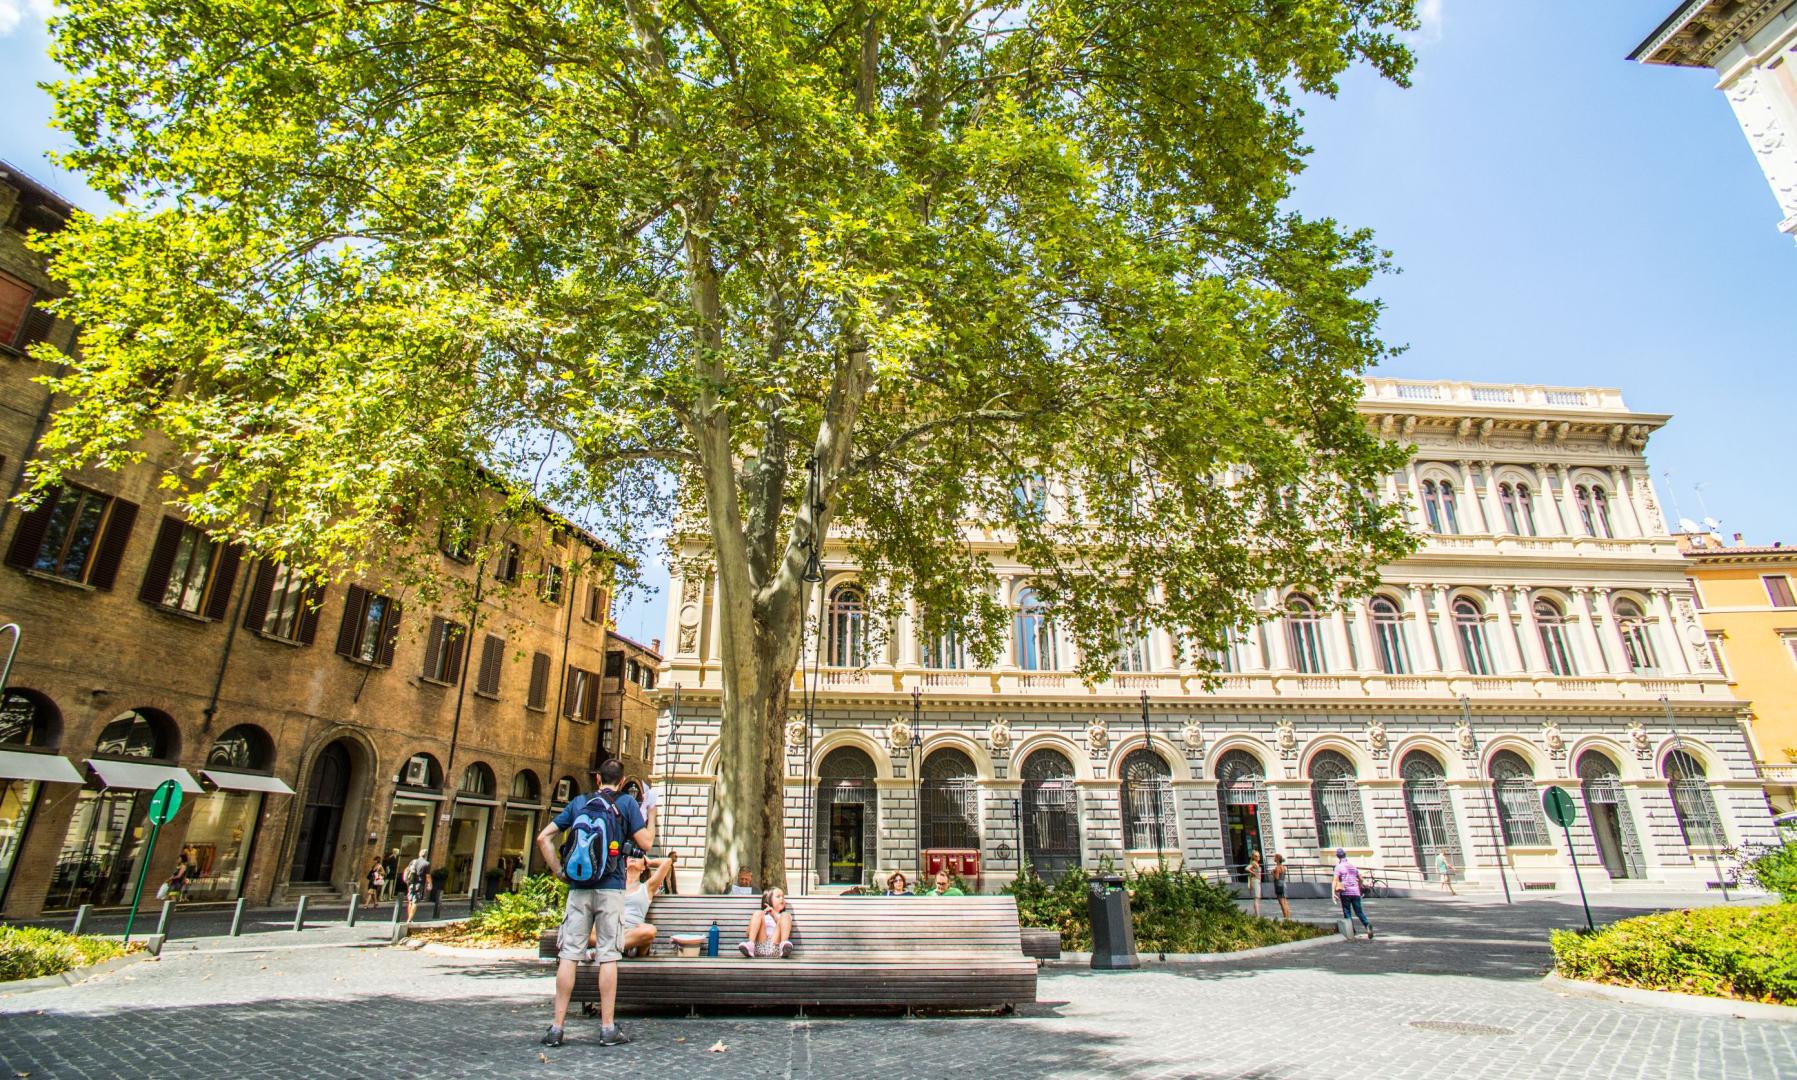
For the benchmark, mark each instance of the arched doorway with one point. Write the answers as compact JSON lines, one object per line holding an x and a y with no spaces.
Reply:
{"x":322,"y":817}
{"x":1430,"y":810}
{"x":1050,"y":814}
{"x":1246,"y":809}
{"x":1612,"y":826}
{"x":98,"y":861}
{"x":1149,"y":820}
{"x":848,"y":815}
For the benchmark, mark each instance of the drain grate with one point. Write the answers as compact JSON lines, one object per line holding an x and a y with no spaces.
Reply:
{"x":1456,"y":1027}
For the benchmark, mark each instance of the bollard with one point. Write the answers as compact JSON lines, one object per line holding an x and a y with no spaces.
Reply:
{"x":81,"y":914}
{"x":396,"y":909}
{"x":237,"y":917}
{"x":354,"y":900}
{"x":436,"y":907}
{"x":299,"y":914}
{"x":168,"y":907}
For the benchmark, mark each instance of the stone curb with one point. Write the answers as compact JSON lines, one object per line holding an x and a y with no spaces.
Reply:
{"x":72,"y":977}
{"x":468,"y":951}
{"x":1148,"y":958}
{"x":1668,"y":999}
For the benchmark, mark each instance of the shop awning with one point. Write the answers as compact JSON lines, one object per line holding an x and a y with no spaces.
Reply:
{"x":141,"y":775}
{"x":226,"y":780}
{"x":24,"y":765}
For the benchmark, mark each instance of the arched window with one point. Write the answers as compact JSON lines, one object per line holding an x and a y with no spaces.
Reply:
{"x":1149,"y":821}
{"x":1430,"y":810}
{"x":1600,"y":513}
{"x":28,"y":718}
{"x":1637,"y":644}
{"x":1439,"y":506}
{"x":1246,"y":809}
{"x":1050,"y":814}
{"x":848,"y":628}
{"x":1388,"y":633}
{"x":1469,"y":629}
{"x":1335,"y":798}
{"x":1519,"y":509}
{"x":244,"y":746}
{"x":526,"y":788}
{"x":1304,"y":633}
{"x":420,"y":770}
{"x":141,"y":733}
{"x":1036,"y":649}
{"x":477,"y":780}
{"x":848,"y":814}
{"x":1029,"y":495}
{"x":1519,"y":805}
{"x":1550,"y":623}
{"x":951,"y":804}
{"x":1692,"y":801}
{"x":565,"y":790}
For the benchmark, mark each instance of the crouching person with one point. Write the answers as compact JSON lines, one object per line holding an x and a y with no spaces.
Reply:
{"x":591,"y":860}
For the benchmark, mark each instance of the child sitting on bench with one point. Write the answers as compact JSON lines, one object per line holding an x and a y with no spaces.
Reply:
{"x":770,"y":930}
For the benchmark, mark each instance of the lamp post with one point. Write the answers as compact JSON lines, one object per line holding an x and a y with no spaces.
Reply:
{"x":917,"y":776}
{"x":1497,"y":829}
{"x":1160,"y":839}
{"x":813,"y":575}
{"x":1710,"y":825}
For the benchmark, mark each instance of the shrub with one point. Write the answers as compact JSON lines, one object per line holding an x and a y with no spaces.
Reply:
{"x":27,"y":952}
{"x":519,"y":916}
{"x":1061,"y":906}
{"x":1171,"y":912}
{"x":1748,"y":953}
{"x":1773,"y":869}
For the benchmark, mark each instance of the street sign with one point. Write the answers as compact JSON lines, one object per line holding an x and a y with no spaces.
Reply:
{"x":1559,"y":807}
{"x":167,"y":799}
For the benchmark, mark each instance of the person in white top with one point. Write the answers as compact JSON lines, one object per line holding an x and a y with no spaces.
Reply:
{"x":643,"y":879}
{"x":745,"y":884}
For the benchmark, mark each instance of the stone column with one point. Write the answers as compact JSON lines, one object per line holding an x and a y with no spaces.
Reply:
{"x":908,"y":625}
{"x":1341,"y":657}
{"x":1494,"y":515}
{"x":1470,"y":505}
{"x":1280,"y":657}
{"x":1415,"y":513}
{"x":1451,"y":660}
{"x":1568,"y":512}
{"x":1507,"y":645}
{"x":1363,"y":639}
{"x":1534,"y":652}
{"x":1603,"y":627}
{"x":1007,"y":584}
{"x":1584,"y":633}
{"x":1556,"y":524}
{"x":1672,"y":643}
{"x":1622,"y":503}
{"x":1423,"y":638}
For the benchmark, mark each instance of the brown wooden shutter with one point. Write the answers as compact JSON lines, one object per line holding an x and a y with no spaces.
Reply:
{"x":355,"y":601}
{"x":38,"y":326}
{"x":570,"y":692}
{"x":218,"y":601}
{"x":539,"y":681}
{"x":262,"y":587}
{"x":162,"y":561}
{"x":29,"y":536}
{"x":390,"y":636}
{"x":591,"y":712}
{"x":113,"y":539}
{"x":309,"y":608}
{"x":454,"y":640}
{"x":433,"y":646}
{"x":492,"y":657}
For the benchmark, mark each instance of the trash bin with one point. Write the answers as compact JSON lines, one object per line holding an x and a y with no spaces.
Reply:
{"x":1113,"y":932}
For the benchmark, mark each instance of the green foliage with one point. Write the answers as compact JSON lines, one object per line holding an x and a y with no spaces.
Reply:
{"x":1748,"y":953}
{"x":1773,"y":869}
{"x":1171,"y":911}
{"x":1061,"y":906}
{"x":28,"y":951}
{"x":521,"y":915}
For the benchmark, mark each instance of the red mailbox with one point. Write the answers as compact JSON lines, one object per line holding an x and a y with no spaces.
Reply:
{"x":962,"y":861}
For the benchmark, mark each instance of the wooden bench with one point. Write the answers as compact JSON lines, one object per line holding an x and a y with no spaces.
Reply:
{"x":1041,"y":944}
{"x":911,"y":952}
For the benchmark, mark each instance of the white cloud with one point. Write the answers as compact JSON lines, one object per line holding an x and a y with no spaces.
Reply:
{"x":13,"y":12}
{"x":1428,"y":17}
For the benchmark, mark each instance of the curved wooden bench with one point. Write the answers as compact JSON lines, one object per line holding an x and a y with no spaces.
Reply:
{"x":1041,"y":944}
{"x":914,"y":952}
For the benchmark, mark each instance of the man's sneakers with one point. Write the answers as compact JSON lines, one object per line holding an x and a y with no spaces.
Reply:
{"x":552,"y":1037}
{"x":612,"y":1036}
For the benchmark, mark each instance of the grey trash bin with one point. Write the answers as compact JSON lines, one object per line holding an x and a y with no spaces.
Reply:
{"x":1113,"y":932}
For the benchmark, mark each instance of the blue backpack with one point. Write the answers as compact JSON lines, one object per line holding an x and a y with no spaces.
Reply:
{"x":595,"y":843}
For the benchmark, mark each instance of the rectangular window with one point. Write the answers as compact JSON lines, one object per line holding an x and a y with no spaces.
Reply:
{"x":581,"y":701}
{"x":1791,"y":646}
{"x":492,"y":661}
{"x":648,"y":746}
{"x":195,"y":556}
{"x":596,"y":604}
{"x":370,"y":627}
{"x":624,"y":743}
{"x":74,"y":534}
{"x":648,"y":677}
{"x":455,"y":542}
{"x":509,"y":559}
{"x":633,"y":671}
{"x":189,"y":571}
{"x":443,"y":651}
{"x":22,"y":323}
{"x":1778,"y":590}
{"x":614,"y":664}
{"x":286,"y":601}
{"x":551,"y":587}
{"x":538,"y":697}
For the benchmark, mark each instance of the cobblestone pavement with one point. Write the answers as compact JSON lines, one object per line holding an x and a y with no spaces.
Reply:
{"x":336,"y":1004}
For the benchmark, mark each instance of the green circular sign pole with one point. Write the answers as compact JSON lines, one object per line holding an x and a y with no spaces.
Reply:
{"x":1562,"y":811}
{"x":164,"y":801}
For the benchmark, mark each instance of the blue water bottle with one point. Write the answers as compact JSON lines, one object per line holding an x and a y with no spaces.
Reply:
{"x":711,"y":941}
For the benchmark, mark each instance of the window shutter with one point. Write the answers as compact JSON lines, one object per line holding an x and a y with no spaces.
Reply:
{"x":30,"y":535}
{"x":492,"y":656}
{"x":455,"y":639}
{"x":571,"y":693}
{"x":539,"y":681}
{"x":38,"y":326}
{"x":224,"y":578}
{"x":255,"y":609}
{"x":433,"y":646}
{"x":112,"y":544}
{"x":354,"y":602}
{"x":591,"y":711}
{"x":309,"y":607}
{"x":391,"y":631}
{"x":162,"y":561}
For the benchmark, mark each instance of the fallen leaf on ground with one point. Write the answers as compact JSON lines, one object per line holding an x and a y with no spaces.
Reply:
{"x":718,"y":1047}
{"x":542,"y":1057}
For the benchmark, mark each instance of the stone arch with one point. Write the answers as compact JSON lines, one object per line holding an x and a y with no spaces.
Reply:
{"x":1121,"y":745}
{"x":30,"y":718}
{"x":1054,"y":740}
{"x":362,"y":786}
{"x":1714,"y":768}
{"x":823,"y":745}
{"x":1343,"y":745}
{"x":1521,"y":746}
{"x":1611,"y":748}
{"x":982,"y":761}
{"x":1436,"y":747}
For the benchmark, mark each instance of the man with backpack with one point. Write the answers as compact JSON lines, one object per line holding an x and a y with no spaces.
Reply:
{"x":599,"y":830}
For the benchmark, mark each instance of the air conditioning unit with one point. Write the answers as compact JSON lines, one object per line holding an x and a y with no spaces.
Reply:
{"x":418,"y":772}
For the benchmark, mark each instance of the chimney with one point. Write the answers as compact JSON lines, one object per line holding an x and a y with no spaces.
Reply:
{"x":1737,"y":538}
{"x":655,"y":645}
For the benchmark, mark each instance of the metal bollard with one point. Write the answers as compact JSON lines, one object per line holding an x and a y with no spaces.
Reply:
{"x":168,"y":907}
{"x":237,"y":917}
{"x":299,"y":914}
{"x":436,"y":906}
{"x":81,"y":914}
{"x":354,"y":901}
{"x":396,"y":909}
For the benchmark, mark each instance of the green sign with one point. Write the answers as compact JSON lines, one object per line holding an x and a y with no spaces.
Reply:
{"x":1559,"y":807}
{"x":164,"y":802}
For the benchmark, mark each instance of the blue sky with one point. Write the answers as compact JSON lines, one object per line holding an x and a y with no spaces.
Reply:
{"x":1560,"y":214}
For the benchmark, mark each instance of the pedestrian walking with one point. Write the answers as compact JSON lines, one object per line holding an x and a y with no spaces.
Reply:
{"x":417,"y":877}
{"x":1345,"y":887}
{"x":371,"y":895}
{"x":1254,"y":874}
{"x":598,"y":828}
{"x":1445,"y":870}
{"x":1279,"y":872}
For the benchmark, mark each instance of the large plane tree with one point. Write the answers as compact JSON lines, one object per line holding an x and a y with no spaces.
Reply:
{"x":659,"y":262}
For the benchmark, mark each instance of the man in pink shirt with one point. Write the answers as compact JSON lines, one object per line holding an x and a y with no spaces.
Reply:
{"x":1346,"y":888}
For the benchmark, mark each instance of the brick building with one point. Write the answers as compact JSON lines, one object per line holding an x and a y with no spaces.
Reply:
{"x":626,"y":707}
{"x":312,"y":728}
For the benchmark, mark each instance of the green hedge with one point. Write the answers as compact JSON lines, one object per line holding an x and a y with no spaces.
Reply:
{"x":1736,"y":952}
{"x":1171,"y":912}
{"x":27,"y":952}
{"x":1774,"y":870}
{"x":517,"y":917}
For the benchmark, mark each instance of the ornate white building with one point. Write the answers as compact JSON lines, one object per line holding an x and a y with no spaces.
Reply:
{"x":1543,"y":634}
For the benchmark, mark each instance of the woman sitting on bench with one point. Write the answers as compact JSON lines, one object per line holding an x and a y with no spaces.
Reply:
{"x":638,"y":932}
{"x":770,"y":930}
